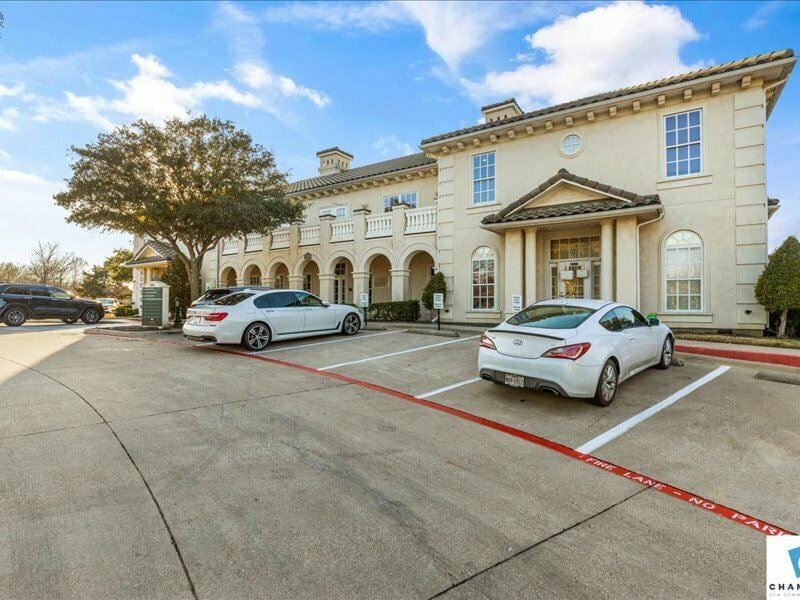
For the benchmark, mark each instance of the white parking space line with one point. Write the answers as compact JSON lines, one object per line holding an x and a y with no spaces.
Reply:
{"x":347,"y":339}
{"x":615,"y":432}
{"x":380,"y":356}
{"x":447,"y":388}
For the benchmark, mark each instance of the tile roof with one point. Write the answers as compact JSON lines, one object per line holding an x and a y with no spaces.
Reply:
{"x":643,"y":87}
{"x":164,"y":253}
{"x":623,"y":200}
{"x":364,"y":172}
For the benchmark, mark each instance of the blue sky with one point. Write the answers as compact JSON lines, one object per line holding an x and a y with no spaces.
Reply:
{"x":374,"y":78}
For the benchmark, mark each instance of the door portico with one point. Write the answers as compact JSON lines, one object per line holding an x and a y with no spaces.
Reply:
{"x":572,"y":238}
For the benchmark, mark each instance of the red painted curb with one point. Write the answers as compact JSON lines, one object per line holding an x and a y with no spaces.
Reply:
{"x":665,"y":488}
{"x":772,"y":358}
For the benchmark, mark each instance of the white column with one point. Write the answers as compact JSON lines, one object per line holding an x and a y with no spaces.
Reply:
{"x":626,"y":260}
{"x":513,"y":272}
{"x":326,"y":286}
{"x":607,"y":260}
{"x":360,"y":285}
{"x":530,"y":265}
{"x":400,"y":287}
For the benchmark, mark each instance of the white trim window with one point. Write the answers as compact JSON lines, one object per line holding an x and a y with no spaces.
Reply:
{"x":340,"y":212}
{"x":683,"y":143}
{"x":484,"y":270}
{"x":483,"y":183}
{"x":683,"y":270}
{"x":407,"y":198}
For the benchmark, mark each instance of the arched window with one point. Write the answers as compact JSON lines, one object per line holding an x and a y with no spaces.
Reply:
{"x":484,"y":267}
{"x":683,"y":262}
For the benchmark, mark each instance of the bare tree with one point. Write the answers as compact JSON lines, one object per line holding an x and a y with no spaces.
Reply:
{"x":49,"y":266}
{"x":13,"y":273}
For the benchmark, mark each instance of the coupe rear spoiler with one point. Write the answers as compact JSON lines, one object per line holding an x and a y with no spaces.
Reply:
{"x":541,"y":335}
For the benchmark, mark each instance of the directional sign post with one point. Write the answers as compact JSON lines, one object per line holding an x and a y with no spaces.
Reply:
{"x":438,"y":305}
{"x":155,"y":304}
{"x":364,"y":302}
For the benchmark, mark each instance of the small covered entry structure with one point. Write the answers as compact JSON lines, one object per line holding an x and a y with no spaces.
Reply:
{"x":573,"y":237}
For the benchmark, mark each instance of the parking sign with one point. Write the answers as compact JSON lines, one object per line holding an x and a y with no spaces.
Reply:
{"x":364,"y":300}
{"x":438,"y":301}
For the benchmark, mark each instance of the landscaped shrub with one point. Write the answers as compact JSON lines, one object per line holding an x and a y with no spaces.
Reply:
{"x":125,"y":311}
{"x":436,"y":285}
{"x":778,"y":287}
{"x":405,"y":310}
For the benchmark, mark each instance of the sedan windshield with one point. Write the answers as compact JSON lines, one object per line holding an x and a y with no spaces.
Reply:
{"x":231,"y":299}
{"x":551,"y":316}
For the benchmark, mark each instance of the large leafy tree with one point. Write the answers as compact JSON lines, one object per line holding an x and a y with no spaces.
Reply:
{"x":110,"y":278}
{"x":187,"y":184}
{"x":778,"y":287}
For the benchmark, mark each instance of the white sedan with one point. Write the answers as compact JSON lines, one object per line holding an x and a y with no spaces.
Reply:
{"x":254,"y":318}
{"x":579,"y":348}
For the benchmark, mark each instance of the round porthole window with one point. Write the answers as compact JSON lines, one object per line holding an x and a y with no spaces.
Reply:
{"x":571,"y":145}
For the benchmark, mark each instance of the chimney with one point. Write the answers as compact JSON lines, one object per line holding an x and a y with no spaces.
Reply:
{"x":333,"y":160}
{"x":501,"y":110}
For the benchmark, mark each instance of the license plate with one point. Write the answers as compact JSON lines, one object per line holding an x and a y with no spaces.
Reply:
{"x":195,"y":320}
{"x":515,"y":380}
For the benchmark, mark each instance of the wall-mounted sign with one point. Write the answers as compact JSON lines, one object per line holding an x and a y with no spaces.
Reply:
{"x":582,"y":273}
{"x":567,"y":274}
{"x":516,"y":302}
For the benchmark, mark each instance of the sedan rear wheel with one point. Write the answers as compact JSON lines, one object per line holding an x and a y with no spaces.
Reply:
{"x":256,"y":337}
{"x":666,"y":354}
{"x":607,"y":385}
{"x":351,"y":324}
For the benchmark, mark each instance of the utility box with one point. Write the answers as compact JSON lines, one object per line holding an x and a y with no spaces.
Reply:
{"x":155,"y":304}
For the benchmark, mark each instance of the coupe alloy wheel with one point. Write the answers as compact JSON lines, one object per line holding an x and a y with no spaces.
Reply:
{"x":608,"y":383}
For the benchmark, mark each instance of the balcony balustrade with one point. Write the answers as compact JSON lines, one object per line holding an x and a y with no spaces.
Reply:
{"x":280,"y":239}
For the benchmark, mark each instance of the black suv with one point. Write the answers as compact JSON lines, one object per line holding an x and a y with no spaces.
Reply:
{"x":22,"y":301}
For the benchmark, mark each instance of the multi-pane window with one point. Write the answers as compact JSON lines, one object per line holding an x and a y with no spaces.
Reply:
{"x":683,"y":258}
{"x":683,"y":139}
{"x":340,"y":212}
{"x":484,"y":267}
{"x":483,"y":178}
{"x":307,"y":282}
{"x":408,"y":198}
{"x":255,"y":280}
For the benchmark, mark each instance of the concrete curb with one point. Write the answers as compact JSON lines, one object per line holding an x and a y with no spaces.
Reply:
{"x":434,"y":332}
{"x":778,"y":377}
{"x":770,"y":358}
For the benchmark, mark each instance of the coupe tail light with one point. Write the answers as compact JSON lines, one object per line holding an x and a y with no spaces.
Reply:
{"x":571,"y":352}
{"x":215,"y":316}
{"x":486,"y":342}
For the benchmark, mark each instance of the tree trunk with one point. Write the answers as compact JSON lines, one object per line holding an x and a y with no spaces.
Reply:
{"x":193,"y":271}
{"x":784,"y":320}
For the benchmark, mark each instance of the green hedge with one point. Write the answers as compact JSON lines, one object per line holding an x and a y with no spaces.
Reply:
{"x":125,"y":311}
{"x":406,"y":310}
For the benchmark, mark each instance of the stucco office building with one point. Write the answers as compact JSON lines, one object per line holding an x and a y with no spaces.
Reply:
{"x":654,"y":195}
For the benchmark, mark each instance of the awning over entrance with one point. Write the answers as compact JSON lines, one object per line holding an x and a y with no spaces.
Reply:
{"x":566,"y":196}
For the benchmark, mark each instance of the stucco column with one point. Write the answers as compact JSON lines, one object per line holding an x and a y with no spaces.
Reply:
{"x":607,"y":260}
{"x":360,"y":285}
{"x":360,"y":227}
{"x":268,"y":281}
{"x":325,"y":232}
{"x":513,"y":271}
{"x":400,"y":288}
{"x":626,"y":260}
{"x":296,"y":282}
{"x":294,"y":238}
{"x":530,"y":265}
{"x":326,"y":286}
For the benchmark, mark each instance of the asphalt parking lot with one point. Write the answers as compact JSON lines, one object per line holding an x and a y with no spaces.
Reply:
{"x":142,"y":466}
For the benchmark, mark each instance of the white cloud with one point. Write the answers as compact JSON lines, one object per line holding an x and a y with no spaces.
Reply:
{"x":11,"y":91}
{"x":762,"y":15}
{"x":370,"y":16}
{"x":606,"y":48}
{"x":147,"y":95}
{"x":453,"y":29}
{"x":8,"y":119}
{"x":42,"y":220}
{"x":247,"y":42}
{"x":389,"y":145}
{"x":4,"y":155}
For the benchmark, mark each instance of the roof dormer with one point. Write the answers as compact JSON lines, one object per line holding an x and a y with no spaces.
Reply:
{"x":501,"y":110}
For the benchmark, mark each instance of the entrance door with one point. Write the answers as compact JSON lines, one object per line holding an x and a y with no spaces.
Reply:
{"x":574,"y":279}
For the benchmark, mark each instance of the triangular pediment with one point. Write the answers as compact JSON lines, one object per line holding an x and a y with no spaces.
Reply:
{"x":563,"y":192}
